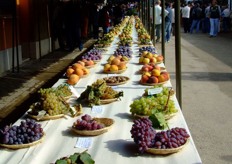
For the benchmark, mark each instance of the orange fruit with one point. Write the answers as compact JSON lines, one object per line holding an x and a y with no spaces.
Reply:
{"x":85,"y":71}
{"x":77,"y":65}
{"x":79,"y":72}
{"x":115,"y":61}
{"x":122,"y":66}
{"x":73,"y":79}
{"x":107,"y":67}
{"x":69,"y":71}
{"x":113,"y":68}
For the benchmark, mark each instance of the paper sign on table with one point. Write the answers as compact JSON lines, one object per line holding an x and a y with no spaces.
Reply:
{"x":97,"y":109}
{"x":83,"y":142}
{"x":73,"y":90}
{"x":154,"y":91}
{"x":114,"y":87}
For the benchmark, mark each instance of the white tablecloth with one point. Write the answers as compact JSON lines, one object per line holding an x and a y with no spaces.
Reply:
{"x":116,"y":146}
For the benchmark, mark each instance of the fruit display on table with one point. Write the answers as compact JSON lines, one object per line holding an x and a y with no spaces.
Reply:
{"x":75,"y":72}
{"x":99,"y":93}
{"x":150,"y":67}
{"x":116,"y":80}
{"x":89,"y":126}
{"x":87,"y":63}
{"x":51,"y":106}
{"x":146,"y":106}
{"x":147,"y":57}
{"x":143,"y":36}
{"x":124,"y":51}
{"x":148,"y":49}
{"x":151,"y":141}
{"x":115,"y":65}
{"x":154,"y":77}
{"x":76,"y":158}
{"x":93,"y":54}
{"x":27,"y":134}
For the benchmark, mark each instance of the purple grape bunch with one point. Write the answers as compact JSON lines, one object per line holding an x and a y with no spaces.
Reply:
{"x":146,"y":137}
{"x":28,"y":131}
{"x":123,"y":51}
{"x":172,"y":138}
{"x":143,"y":133}
{"x":93,"y":54}
{"x":87,"y":123}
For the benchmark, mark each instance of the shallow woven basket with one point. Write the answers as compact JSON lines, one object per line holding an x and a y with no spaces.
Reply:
{"x":166,"y":151}
{"x":38,"y":118}
{"x":116,"y":72}
{"x":119,"y":83}
{"x":107,"y":101}
{"x":106,"y":121}
{"x":152,"y":84}
{"x":22,"y":146}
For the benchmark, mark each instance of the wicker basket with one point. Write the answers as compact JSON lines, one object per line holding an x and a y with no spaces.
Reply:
{"x":106,"y":121}
{"x":152,"y":84}
{"x":119,"y":83}
{"x":107,"y":101}
{"x":43,"y":118}
{"x":115,"y":72}
{"x":22,"y":146}
{"x":166,"y":151}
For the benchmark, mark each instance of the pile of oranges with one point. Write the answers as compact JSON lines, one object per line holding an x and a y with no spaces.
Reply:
{"x":75,"y":72}
{"x":115,"y":65}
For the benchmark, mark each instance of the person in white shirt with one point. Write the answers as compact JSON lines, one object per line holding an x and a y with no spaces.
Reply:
{"x":226,"y":19}
{"x":158,"y":19}
{"x":185,"y":18}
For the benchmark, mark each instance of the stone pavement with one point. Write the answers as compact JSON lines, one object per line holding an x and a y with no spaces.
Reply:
{"x":16,"y":88}
{"x":206,"y":92}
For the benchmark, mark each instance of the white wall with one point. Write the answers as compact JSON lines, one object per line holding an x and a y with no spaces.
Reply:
{"x":6,"y":59}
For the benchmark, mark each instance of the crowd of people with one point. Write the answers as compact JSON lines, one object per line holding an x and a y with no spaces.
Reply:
{"x":209,"y":18}
{"x":76,"y":20}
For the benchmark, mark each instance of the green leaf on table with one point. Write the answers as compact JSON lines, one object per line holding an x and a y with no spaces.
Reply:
{"x":158,"y":121}
{"x":74,"y":157}
{"x":61,"y":161}
{"x":86,"y":158}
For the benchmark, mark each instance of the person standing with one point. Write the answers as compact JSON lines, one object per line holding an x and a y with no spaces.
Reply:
{"x":168,"y":22}
{"x":158,"y":19}
{"x":226,"y":19}
{"x":185,"y":17}
{"x":214,"y":17}
{"x":196,"y":18}
{"x":173,"y":19}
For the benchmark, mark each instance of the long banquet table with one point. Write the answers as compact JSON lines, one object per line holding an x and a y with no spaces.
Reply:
{"x":116,"y":146}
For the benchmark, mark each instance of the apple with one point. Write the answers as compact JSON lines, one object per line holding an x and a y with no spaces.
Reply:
{"x":166,"y":75}
{"x":146,"y":60}
{"x":157,"y":67}
{"x":144,"y":53}
{"x":161,"y":78}
{"x":155,"y":72}
{"x":159,"y":58}
{"x":147,"y":73}
{"x":153,"y":60}
{"x":141,"y":59}
{"x":144,"y":78}
{"x":153,"y":79}
{"x":149,"y":55}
